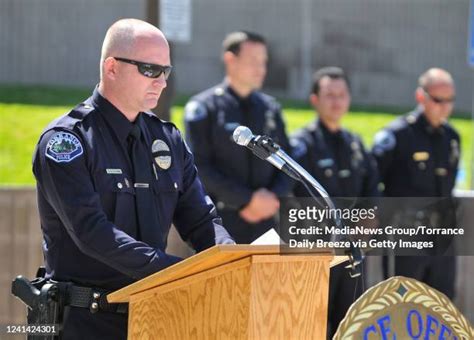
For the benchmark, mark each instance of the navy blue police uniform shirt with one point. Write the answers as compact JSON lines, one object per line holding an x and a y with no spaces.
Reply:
{"x":337,"y":160}
{"x":340,"y":163}
{"x":415,"y":159}
{"x":230,"y":172}
{"x":86,"y":197}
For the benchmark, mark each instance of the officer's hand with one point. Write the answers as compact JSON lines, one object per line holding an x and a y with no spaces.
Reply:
{"x":368,"y":223}
{"x":263,"y":204}
{"x":167,"y":260}
{"x":249,"y":215}
{"x":267,"y":203}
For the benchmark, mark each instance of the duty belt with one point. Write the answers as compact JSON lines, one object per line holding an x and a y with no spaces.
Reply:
{"x":94,"y":299}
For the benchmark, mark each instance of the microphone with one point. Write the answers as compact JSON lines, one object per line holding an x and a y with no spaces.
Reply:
{"x":242,"y":135}
{"x":264,"y":148}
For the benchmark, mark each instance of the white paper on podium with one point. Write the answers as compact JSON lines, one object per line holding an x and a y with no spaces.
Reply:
{"x":271,"y":237}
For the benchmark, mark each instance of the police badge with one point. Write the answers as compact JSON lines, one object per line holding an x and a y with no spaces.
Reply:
{"x":161,"y":154}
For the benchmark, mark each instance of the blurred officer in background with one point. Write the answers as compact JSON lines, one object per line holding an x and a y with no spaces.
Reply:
{"x":245,"y":188}
{"x":111,"y":178}
{"x":337,"y":159}
{"x":418,"y":156}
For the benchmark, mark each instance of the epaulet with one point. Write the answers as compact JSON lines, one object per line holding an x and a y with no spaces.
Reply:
{"x":265,"y":96}
{"x":217,"y":91}
{"x":200,"y":105}
{"x":411,"y":117}
{"x":451,"y":130}
{"x":267,"y":99}
{"x":311,"y":127}
{"x":351,"y":136}
{"x":69,"y":120}
{"x":304,"y":134}
{"x":162,"y":121}
{"x":299,"y":133}
{"x":401,"y":123}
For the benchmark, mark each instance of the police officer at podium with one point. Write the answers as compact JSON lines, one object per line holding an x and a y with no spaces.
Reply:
{"x":111,"y":178}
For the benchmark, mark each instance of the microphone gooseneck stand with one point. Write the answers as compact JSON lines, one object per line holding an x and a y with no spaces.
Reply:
{"x":265,"y":148}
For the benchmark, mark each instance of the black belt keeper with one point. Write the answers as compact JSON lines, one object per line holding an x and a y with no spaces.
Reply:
{"x":94,"y":299}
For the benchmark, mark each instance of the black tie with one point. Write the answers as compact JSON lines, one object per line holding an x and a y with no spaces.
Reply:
{"x":148,"y":222}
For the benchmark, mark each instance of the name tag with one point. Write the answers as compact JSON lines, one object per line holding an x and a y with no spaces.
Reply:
{"x":344,"y":173}
{"x":114,"y":171}
{"x":141,"y":185}
{"x":421,"y":156}
{"x":326,"y":162}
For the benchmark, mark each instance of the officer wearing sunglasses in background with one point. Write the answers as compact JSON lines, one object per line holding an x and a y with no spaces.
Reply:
{"x":418,"y":156}
{"x":245,"y":188}
{"x":111,"y":178}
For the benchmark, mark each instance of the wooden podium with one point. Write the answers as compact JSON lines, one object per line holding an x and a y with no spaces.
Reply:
{"x":233,"y":292}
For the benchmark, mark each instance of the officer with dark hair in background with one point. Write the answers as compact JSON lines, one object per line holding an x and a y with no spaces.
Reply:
{"x":418,"y":156}
{"x":337,"y":159}
{"x":245,"y":188}
{"x":111,"y":178}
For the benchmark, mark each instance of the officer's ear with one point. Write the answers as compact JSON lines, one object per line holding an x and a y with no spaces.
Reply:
{"x":109,"y":68}
{"x":313,"y":99}
{"x":228,"y":58}
{"x":420,"y":95}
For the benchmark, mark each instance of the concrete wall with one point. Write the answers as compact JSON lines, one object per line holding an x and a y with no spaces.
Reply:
{"x":20,"y":253}
{"x":57,"y":41}
{"x":383,"y":44}
{"x":20,"y":249}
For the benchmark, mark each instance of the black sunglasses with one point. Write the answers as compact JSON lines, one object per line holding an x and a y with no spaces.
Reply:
{"x":147,"y":69}
{"x":440,"y":100}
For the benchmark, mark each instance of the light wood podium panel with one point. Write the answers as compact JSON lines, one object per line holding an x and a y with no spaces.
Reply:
{"x":232,"y":292}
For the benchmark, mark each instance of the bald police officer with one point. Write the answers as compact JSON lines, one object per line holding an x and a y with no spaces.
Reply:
{"x":245,"y":188}
{"x":418,"y":156}
{"x":111,"y":178}
{"x":338,"y":160}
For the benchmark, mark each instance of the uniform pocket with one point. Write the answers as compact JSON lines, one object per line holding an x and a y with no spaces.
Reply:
{"x":116,"y":195}
{"x":422,"y":176}
{"x":167,"y":191}
{"x":167,"y":182}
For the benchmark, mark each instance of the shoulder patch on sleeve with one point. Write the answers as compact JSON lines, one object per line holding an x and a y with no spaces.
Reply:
{"x":194,"y":111}
{"x":63,"y":147}
{"x":298,"y":147}
{"x":384,"y":141}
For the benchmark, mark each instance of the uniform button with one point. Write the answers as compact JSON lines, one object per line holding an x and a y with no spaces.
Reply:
{"x":127,"y":183}
{"x":441,"y":171}
{"x":344,"y":173}
{"x":422,"y":165}
{"x":420,"y":215}
{"x":328,"y":172}
{"x":119,"y":185}
{"x":176,"y":185}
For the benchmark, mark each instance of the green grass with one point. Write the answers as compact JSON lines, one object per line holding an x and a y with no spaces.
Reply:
{"x":26,"y":110}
